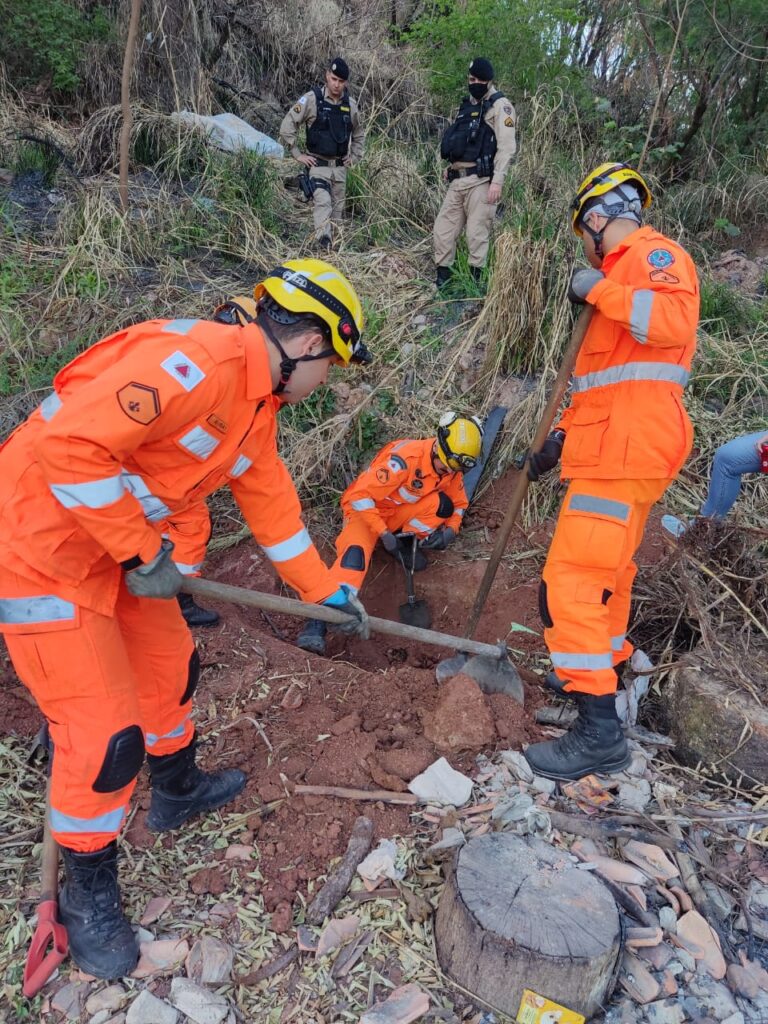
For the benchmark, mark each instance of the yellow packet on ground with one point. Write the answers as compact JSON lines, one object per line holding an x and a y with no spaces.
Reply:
{"x":535,"y":1009}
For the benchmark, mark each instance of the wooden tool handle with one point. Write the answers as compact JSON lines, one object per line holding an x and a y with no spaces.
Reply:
{"x":49,"y":868}
{"x":521,"y":483}
{"x":272,"y":603}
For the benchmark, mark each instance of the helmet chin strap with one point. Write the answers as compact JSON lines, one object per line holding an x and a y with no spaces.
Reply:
{"x":287,"y":364}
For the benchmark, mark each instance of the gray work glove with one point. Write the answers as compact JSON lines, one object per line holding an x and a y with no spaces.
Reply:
{"x":158,"y":578}
{"x":439,"y":539}
{"x":389,"y":541}
{"x":582,"y":283}
{"x":344,"y":600}
{"x":545,"y":460}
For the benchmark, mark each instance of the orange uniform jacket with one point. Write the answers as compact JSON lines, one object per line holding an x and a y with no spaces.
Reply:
{"x":145,"y":424}
{"x":401,"y":474}
{"x":627,"y":419}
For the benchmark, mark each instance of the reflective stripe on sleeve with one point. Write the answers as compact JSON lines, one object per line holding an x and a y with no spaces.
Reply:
{"x":109,"y":822}
{"x":640,"y":314}
{"x":287,"y":549}
{"x":460,"y":512}
{"x":50,"y":406}
{"x":91,"y":494}
{"x":421,"y":527}
{"x":151,"y":505}
{"x":617,"y":642}
{"x":16,"y":611}
{"x":670,"y":373}
{"x":153,"y":739}
{"x":408,"y":496}
{"x":242,"y":463}
{"x":576,"y":660}
{"x":179,"y":326}
{"x":199,"y":442}
{"x":601,"y":506}
{"x":362,"y":504}
{"x":186,"y":569}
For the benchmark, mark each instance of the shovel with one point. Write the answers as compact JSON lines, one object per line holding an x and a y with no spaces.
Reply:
{"x":49,"y":944}
{"x":415,"y":613}
{"x":499,"y":674}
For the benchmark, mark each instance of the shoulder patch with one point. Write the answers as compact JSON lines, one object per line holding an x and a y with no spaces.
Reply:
{"x":139,"y":402}
{"x":183,"y":370}
{"x":662,"y":277}
{"x":660,"y":259}
{"x":297,"y":108}
{"x":382,"y":475}
{"x":507,"y":108}
{"x":396,"y":464}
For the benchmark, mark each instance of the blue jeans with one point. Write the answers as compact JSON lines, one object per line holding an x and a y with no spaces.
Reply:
{"x":731,"y":461}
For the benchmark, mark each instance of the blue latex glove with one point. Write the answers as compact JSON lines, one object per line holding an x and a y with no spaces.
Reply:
{"x":345,"y":601}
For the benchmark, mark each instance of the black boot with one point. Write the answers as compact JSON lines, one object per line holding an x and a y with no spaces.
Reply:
{"x":180,"y":789}
{"x":193,"y":614}
{"x":443,"y":276}
{"x":477,"y":274}
{"x":312,"y":637}
{"x":594,"y":743}
{"x":101,"y":940}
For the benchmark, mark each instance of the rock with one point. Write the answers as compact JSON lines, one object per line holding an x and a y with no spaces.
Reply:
{"x":657,"y":956}
{"x":199,"y":1004}
{"x":517,"y":764}
{"x":162,"y":956}
{"x":281,"y":919}
{"x":735,"y":1018}
{"x":634,"y":795}
{"x":230,"y":133}
{"x":383,"y":778}
{"x":403,"y":1005}
{"x":338,"y":931}
{"x":545,"y":786}
{"x":713,"y":995}
{"x":668,"y":983}
{"x":451,"y":839}
{"x":100,"y":1018}
{"x":406,"y":763}
{"x":154,"y":908}
{"x":668,"y":920}
{"x":756,"y":970}
{"x":651,"y":859}
{"x":210,"y":961}
{"x":110,"y":998}
{"x":462,"y":719}
{"x":442,"y":784}
{"x":238,"y":851}
{"x":757,"y":904}
{"x":665,"y":1011}
{"x":208,"y":880}
{"x":694,"y":930}
{"x":637,"y":981}
{"x":742,"y":981}
{"x":348,"y":723}
{"x":70,"y":999}
{"x":734,"y":268}
{"x":148,"y":1009}
{"x":637,"y":937}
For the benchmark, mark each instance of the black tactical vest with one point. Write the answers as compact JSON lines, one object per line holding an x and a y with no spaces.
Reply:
{"x":469,"y":138}
{"x":330,"y":132}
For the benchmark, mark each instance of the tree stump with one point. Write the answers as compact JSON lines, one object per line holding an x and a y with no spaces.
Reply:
{"x":715,"y":723}
{"x":517,"y":913}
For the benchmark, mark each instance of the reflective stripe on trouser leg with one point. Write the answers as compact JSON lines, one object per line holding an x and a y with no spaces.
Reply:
{"x":599,"y":528}
{"x":83,"y":682}
{"x":161,"y":652}
{"x":355,"y":533}
{"x":449,"y":224}
{"x":479,"y":223}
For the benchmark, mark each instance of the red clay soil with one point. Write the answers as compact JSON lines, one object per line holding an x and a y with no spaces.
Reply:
{"x":353,"y":718}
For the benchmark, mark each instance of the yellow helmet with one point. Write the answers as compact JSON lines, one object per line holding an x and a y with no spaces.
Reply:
{"x":606,"y":178}
{"x":459,"y":441}
{"x":310,"y":286}
{"x":240,"y":309}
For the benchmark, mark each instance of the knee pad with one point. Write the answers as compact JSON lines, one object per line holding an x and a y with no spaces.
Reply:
{"x":445,"y":507}
{"x":122,"y":761}
{"x":544,"y":615}
{"x":353,"y":558}
{"x":193,"y":677}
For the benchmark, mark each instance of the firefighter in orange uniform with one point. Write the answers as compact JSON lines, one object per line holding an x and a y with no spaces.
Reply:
{"x":622,"y":441}
{"x":411,"y":488}
{"x":141,"y":427}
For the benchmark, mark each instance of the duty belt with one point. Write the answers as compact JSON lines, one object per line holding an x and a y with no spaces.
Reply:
{"x":463,"y":172}
{"x":322,"y":162}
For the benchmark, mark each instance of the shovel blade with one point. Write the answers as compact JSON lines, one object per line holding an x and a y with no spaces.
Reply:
{"x":416,"y":613}
{"x":47,"y":950}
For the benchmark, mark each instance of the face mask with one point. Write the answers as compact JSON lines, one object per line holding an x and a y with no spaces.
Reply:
{"x":478,"y":89}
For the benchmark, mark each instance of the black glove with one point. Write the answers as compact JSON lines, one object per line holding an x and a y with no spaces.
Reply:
{"x":344,"y":600}
{"x":582,"y":283}
{"x":389,"y":541}
{"x":544,"y":461}
{"x":439,"y":539}
{"x":158,"y":578}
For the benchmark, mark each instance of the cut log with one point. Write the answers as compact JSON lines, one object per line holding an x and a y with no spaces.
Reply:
{"x":515,"y":914}
{"x":715,"y":723}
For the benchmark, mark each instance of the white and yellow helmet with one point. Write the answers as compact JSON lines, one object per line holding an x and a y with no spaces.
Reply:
{"x":459,"y":441}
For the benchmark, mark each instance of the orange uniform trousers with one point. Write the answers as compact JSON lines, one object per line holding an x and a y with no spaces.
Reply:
{"x":94,"y":677}
{"x":587,"y":580}
{"x":355,"y":543}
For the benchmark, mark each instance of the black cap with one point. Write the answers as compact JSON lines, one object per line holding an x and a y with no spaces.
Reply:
{"x":340,"y":68}
{"x":482,"y":69}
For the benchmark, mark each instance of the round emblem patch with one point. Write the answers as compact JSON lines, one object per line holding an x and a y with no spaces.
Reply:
{"x":661,"y":259}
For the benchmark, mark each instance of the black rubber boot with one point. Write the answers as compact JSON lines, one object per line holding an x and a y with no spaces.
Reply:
{"x":312,"y":637}
{"x":101,"y":940}
{"x":180,"y":789}
{"x":324,"y":243}
{"x":443,"y":276}
{"x":193,"y":614}
{"x":594,"y":743}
